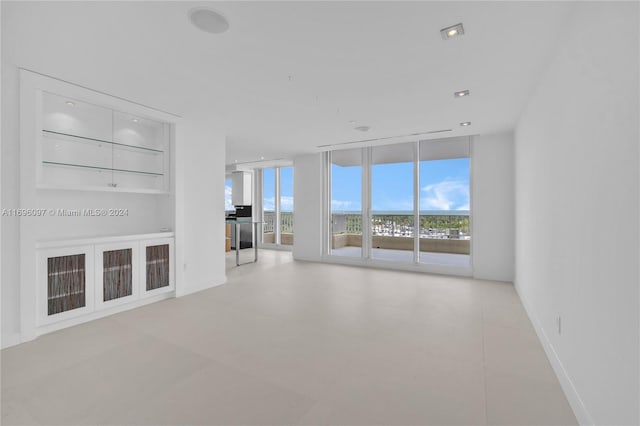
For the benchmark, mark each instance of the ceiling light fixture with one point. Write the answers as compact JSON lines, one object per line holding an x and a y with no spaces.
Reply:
{"x":363,"y":128}
{"x":71,"y":104}
{"x":465,"y":123}
{"x":452,"y":31}
{"x":135,"y":120}
{"x":461,"y":94}
{"x":208,"y":20}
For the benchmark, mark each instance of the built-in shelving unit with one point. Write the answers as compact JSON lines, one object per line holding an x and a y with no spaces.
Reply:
{"x":100,"y":172}
{"x":86,"y":276}
{"x":86,"y":146}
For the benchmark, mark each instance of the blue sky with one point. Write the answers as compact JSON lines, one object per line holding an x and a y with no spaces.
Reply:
{"x":286,"y":189}
{"x":444,"y":185}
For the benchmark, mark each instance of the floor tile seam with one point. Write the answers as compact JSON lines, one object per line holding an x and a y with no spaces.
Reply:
{"x":264,"y":380}
{"x":156,"y":393}
{"x":227,"y":306}
{"x":484,"y":363}
{"x":22,"y":406}
{"x":316,"y":398}
{"x":166,"y":341}
{"x":71,"y":365}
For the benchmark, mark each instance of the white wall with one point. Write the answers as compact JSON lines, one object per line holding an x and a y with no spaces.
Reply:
{"x":307,"y":197}
{"x":492,"y":205}
{"x":10,"y":198}
{"x":200,"y":230}
{"x":577,"y":212}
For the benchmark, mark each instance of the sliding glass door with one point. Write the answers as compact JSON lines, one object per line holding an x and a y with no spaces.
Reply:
{"x":413,"y":197}
{"x":445,"y":233}
{"x":392,"y":205}
{"x":345,"y":208}
{"x":269,"y":206}
{"x":286,"y":206}
{"x":277,"y":206}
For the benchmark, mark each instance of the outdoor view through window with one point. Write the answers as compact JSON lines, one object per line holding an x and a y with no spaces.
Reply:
{"x":443,"y":231}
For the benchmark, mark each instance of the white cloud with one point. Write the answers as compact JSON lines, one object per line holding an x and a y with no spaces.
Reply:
{"x":228,"y":204}
{"x":445,"y":195}
{"x":340,"y":205}
{"x":269,"y":204}
{"x":286,"y":203}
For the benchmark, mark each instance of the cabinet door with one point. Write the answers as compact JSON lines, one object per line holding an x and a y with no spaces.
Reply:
{"x":157,"y":274}
{"x":65,"y":283}
{"x":116,"y":273}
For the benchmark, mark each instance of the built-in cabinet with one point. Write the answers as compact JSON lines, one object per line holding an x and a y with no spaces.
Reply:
{"x":75,"y":139}
{"x":79,"y":277}
{"x":91,"y":147}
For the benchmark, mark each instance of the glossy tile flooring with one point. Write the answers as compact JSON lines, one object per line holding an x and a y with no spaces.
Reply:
{"x":407,"y":256}
{"x":287,"y":342}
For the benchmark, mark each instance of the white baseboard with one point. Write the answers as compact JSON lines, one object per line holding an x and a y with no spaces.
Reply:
{"x":202,"y":287}
{"x":11,"y":339}
{"x":570,"y":391}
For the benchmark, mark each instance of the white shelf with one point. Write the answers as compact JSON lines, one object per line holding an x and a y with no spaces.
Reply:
{"x":95,"y":148}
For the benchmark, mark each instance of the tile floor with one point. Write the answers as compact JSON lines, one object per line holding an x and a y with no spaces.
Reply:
{"x":287,"y":342}
{"x":407,"y":256}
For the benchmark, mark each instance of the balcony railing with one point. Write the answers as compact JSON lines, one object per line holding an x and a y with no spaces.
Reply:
{"x":269,"y":228}
{"x":388,"y":231}
{"x":286,"y":222}
{"x":438,"y":232}
{"x":438,"y":226}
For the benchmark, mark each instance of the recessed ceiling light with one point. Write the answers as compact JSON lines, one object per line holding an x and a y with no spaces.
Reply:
{"x":461,"y":93}
{"x":452,"y":31}
{"x":71,"y":104}
{"x":262,"y":158}
{"x":135,"y":120}
{"x":208,"y":20}
{"x":465,"y":123}
{"x":363,"y":128}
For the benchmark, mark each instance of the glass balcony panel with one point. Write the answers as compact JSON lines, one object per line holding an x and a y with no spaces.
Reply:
{"x":445,"y":233}
{"x":346,"y":203}
{"x":392,"y":193}
{"x":286,"y":206}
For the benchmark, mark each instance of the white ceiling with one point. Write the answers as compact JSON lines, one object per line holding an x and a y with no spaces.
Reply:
{"x":289,"y":76}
